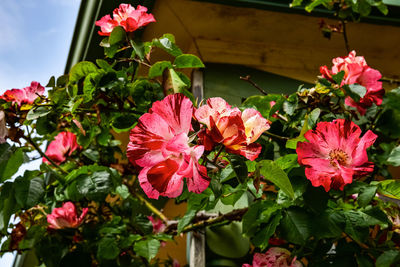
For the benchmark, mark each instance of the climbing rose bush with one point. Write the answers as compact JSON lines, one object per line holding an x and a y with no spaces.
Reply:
{"x":335,"y":154}
{"x":132,"y":160}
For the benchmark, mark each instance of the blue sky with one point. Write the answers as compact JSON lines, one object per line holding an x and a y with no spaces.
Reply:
{"x":35,"y":39}
{"x":35,"y":36}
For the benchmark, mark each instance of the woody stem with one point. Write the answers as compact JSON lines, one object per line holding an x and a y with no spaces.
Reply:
{"x":152,"y":208}
{"x":234,"y":215}
{"x":346,"y":41}
{"x":30,"y":141}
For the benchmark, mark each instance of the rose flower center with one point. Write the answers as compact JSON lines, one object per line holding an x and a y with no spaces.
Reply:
{"x":339,"y":155}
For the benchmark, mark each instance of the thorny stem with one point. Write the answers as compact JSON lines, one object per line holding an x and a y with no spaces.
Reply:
{"x":152,"y":208}
{"x":30,"y":141}
{"x":217,"y":155}
{"x":276,"y":136}
{"x":247,"y":79}
{"x":234,"y":215}
{"x":390,"y":80}
{"x":134,"y":59}
{"x":346,"y":41}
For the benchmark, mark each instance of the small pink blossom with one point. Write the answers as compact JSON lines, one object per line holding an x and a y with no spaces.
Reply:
{"x":65,"y":217}
{"x":357,"y":71}
{"x":236,"y":130}
{"x":158,"y":224}
{"x":26,"y":95}
{"x":159,"y":145}
{"x":126,"y":16}
{"x":274,"y":257}
{"x":3,"y":128}
{"x":62,"y":146}
{"x":335,"y":154}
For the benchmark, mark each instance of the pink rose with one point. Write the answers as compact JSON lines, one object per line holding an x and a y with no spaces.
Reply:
{"x":274,"y":257}
{"x":62,"y":146}
{"x":26,"y":95}
{"x":126,"y":16}
{"x":236,"y":130}
{"x":357,"y":71}
{"x":158,"y":225}
{"x":335,"y":154}
{"x":159,"y":145}
{"x":65,"y":217}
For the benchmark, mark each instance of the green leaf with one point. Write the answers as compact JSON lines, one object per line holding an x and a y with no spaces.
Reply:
{"x":52,"y":82}
{"x":394,"y":157}
{"x":313,"y":117}
{"x":147,"y":248}
{"x":175,"y":82}
{"x":138,"y":48}
{"x":227,"y":240}
{"x":11,"y":158}
{"x":126,"y":242}
{"x":262,"y":104}
{"x":158,"y":68}
{"x":124,"y":123}
{"x":271,"y":171}
{"x":123,"y":191}
{"x":261,"y":238}
{"x":389,"y":188}
{"x":188,"y":61}
{"x":81,"y":70}
{"x":34,"y":234}
{"x":382,"y":8}
{"x":167,"y":43}
{"x":338,"y":77}
{"x":296,"y":226}
{"x":93,"y":182}
{"x":8,"y":205}
{"x":239,"y":167}
{"x":36,"y":113}
{"x":366,"y":195}
{"x":292,"y":143}
{"x":28,"y":192}
{"x":186,"y":219}
{"x":287,"y":162}
{"x":107,"y":249}
{"x":232,"y":194}
{"x":355,"y":91}
{"x":117,"y":35}
{"x":388,"y":258}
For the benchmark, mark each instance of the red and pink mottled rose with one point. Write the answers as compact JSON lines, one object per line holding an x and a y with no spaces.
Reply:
{"x":65,"y":217}
{"x":126,"y":16}
{"x":357,"y":71}
{"x":236,"y":130}
{"x":274,"y":257}
{"x":62,"y":146}
{"x":159,"y":146}
{"x":335,"y":154}
{"x":26,"y":95}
